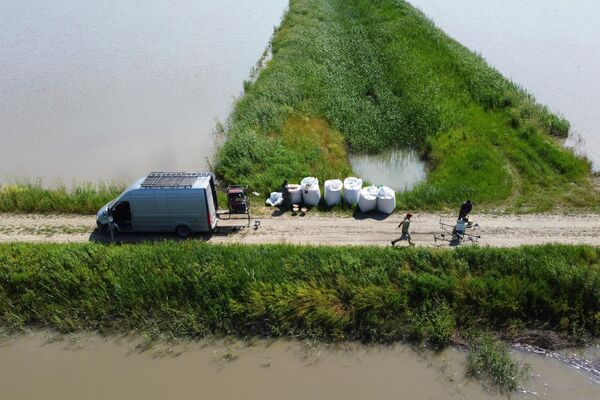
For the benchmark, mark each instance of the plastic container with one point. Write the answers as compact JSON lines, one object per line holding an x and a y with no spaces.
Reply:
{"x":368,"y":198}
{"x":333,"y":192}
{"x":311,"y":194}
{"x":386,"y":200}
{"x":295,"y":193}
{"x":352,"y":187}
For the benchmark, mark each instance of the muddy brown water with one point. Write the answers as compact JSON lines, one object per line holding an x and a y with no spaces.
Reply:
{"x":110,"y":90}
{"x":37,"y":366}
{"x":550,"y":47}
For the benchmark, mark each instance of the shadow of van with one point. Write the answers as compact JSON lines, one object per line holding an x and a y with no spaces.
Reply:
{"x":103,"y":237}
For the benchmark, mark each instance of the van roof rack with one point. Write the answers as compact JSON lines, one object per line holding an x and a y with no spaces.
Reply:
{"x":172,"y":180}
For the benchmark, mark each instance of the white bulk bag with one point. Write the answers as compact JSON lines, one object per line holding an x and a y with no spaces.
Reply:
{"x":386,"y":200}
{"x":352,"y":188}
{"x":275,"y":199}
{"x":295,"y":193}
{"x":311,"y":194}
{"x":333,"y":191}
{"x":368,"y":198}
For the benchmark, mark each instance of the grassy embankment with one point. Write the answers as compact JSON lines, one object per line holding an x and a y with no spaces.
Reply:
{"x":365,"y":75}
{"x":33,"y":197}
{"x":189,"y":289}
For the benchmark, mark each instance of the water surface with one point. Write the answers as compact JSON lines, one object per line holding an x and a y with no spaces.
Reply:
{"x":399,"y":169}
{"x":549,"y":47}
{"x":90,"y":367}
{"x":111,"y":89}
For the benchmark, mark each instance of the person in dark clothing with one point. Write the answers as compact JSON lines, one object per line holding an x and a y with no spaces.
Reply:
{"x":287,"y":196}
{"x":465,"y":209}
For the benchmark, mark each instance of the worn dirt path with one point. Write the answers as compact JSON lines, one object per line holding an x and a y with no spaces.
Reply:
{"x":495,"y":230}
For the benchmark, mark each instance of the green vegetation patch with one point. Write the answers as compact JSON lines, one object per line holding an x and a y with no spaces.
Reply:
{"x":33,"y":197}
{"x":490,"y":361}
{"x":382,"y":75}
{"x":190,"y":289}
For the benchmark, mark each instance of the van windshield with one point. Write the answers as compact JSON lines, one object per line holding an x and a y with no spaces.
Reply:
{"x":117,"y":199}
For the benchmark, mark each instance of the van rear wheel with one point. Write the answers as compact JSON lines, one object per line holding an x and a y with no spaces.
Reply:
{"x":183,"y":231}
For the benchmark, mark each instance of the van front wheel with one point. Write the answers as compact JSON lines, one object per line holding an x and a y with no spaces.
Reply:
{"x":183,"y":231}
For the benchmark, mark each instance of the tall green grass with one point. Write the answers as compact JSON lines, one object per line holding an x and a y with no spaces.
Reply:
{"x":33,"y":197}
{"x":190,"y":289}
{"x":383,"y":75}
{"x":490,"y":361}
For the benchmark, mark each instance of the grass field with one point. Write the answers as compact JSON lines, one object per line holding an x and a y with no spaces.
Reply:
{"x":379,"y":74}
{"x":190,"y":289}
{"x":33,"y":197}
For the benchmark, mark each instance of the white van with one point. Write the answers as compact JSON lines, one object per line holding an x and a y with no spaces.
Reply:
{"x":180,"y":202}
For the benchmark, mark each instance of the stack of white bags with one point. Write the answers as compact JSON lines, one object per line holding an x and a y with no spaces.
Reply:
{"x":381,"y":198}
{"x":368,"y":199}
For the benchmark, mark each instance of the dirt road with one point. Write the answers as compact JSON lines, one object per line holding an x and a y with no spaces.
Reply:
{"x":495,"y":230}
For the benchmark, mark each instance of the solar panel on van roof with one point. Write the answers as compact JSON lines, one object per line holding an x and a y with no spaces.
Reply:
{"x":172,"y":180}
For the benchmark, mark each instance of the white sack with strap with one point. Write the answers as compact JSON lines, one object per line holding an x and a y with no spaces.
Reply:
{"x":333,"y":191}
{"x":352,"y":187}
{"x":295,"y":193}
{"x":368,"y":198}
{"x":386,"y":200}
{"x":311,"y":194}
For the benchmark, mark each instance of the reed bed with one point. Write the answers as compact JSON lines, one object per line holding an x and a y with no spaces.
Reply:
{"x":33,"y":197}
{"x":368,"y":294}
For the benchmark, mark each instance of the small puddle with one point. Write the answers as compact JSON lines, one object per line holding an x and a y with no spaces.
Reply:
{"x":399,"y":169}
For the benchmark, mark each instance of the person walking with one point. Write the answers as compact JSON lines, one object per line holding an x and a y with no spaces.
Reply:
{"x":405,"y":225}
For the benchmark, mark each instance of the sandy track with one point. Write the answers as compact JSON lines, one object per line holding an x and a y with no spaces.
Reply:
{"x":496,"y":230}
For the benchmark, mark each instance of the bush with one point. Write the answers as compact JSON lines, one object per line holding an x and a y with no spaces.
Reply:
{"x":489,"y":360}
{"x":433,"y":322}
